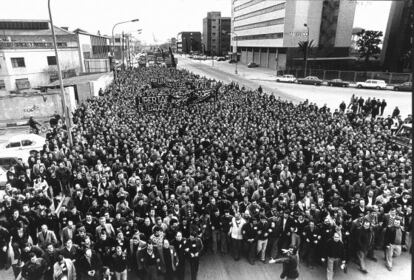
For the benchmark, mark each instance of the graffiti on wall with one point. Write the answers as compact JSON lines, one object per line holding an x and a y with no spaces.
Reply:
{"x":31,"y":109}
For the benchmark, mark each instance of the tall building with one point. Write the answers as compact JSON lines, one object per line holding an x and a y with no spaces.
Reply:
{"x":397,"y":40}
{"x":188,"y":42}
{"x":216,"y":34}
{"x":267,"y":32}
{"x":27,"y":56}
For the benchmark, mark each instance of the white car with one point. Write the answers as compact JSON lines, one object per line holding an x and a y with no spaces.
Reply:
{"x":377,"y":84}
{"x":3,"y":178}
{"x":21,"y":145}
{"x":286,"y":79}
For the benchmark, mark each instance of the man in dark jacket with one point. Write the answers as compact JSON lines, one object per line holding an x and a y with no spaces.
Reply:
{"x":249,"y":232}
{"x":364,"y":239}
{"x":89,"y":265}
{"x":333,"y":254}
{"x":179,"y":244}
{"x":290,"y":264}
{"x":167,"y":260}
{"x":194,"y":248}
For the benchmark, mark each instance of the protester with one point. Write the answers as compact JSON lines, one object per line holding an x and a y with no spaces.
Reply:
{"x":290,"y":264}
{"x":184,"y":159}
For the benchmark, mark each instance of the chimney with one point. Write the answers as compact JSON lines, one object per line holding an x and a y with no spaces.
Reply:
{"x":65,"y":28}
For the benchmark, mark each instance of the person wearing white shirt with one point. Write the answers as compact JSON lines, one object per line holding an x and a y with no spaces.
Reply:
{"x":236,"y":235}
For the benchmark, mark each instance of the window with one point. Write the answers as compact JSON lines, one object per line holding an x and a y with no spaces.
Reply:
{"x":26,"y":142}
{"x":18,"y":62}
{"x":22,"y":83}
{"x":13,"y":145}
{"x":260,"y":36}
{"x":2,"y":84}
{"x":51,"y":60}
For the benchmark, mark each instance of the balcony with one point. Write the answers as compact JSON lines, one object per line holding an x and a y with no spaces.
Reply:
{"x":36,"y":45}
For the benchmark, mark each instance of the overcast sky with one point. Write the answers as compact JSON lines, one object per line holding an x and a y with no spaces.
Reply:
{"x":159,"y":19}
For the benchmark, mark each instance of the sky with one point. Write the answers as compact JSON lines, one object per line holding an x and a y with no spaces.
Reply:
{"x":158,"y":19}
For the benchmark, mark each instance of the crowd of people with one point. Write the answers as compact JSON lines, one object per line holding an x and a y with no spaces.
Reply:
{"x":243,"y":174}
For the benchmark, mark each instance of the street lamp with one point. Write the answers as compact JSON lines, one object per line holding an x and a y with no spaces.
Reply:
{"x":62,"y":90}
{"x":307,"y":46}
{"x":235,"y":35}
{"x":113,"y":42}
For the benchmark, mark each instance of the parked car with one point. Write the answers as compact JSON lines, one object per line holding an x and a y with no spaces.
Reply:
{"x":286,"y":79}
{"x":404,"y":136}
{"x":220,"y":58}
{"x":21,"y":145}
{"x":252,"y":65}
{"x":377,"y":84}
{"x":338,"y":83}
{"x":232,"y":61}
{"x":7,"y":162}
{"x":407,"y":86}
{"x":310,"y":80}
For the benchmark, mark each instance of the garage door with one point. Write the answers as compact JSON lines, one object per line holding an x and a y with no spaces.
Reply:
{"x":243,"y":58}
{"x":249,"y":56}
{"x":272,"y":61}
{"x":263,"y":59}
{"x":256,"y":57}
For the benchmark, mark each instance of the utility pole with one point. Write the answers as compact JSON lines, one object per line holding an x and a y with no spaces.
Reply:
{"x":62,"y":90}
{"x":306,"y":51}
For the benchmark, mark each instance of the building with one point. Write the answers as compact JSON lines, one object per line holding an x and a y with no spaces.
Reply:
{"x":397,"y":42}
{"x":216,"y":34}
{"x":27,"y":57}
{"x":354,"y":38}
{"x":94,"y":51}
{"x":268,"y":32}
{"x":123,"y":48}
{"x":188,"y":42}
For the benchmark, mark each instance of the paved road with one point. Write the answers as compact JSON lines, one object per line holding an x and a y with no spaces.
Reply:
{"x":332,"y":96}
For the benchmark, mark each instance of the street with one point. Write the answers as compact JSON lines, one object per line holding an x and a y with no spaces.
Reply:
{"x":331,"y":96}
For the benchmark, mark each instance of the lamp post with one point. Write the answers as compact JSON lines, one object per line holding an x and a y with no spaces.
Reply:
{"x":62,"y":90}
{"x":235,"y":37}
{"x":113,"y":41}
{"x":306,"y":51}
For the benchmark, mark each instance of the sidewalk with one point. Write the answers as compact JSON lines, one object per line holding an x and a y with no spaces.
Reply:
{"x":258,"y":73}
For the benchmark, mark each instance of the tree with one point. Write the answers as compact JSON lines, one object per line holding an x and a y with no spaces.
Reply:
{"x":305,"y":45}
{"x":368,"y":44}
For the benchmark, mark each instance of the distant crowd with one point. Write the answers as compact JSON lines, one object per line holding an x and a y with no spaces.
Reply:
{"x":242,"y":174}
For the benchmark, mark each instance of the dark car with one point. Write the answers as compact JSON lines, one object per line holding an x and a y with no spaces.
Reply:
{"x":407,"y":86}
{"x":252,"y":65}
{"x":221,"y":58}
{"x":232,"y":61}
{"x":338,"y":83}
{"x":310,"y":80}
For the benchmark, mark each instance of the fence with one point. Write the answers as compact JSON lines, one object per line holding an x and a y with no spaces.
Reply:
{"x":97,"y":65}
{"x":351,"y":76}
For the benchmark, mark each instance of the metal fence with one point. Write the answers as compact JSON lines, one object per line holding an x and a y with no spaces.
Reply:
{"x":351,"y":76}
{"x":97,"y":65}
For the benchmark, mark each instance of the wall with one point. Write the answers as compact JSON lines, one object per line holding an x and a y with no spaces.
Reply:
{"x":37,"y":68}
{"x":36,"y":105}
{"x":84,"y":46}
{"x":103,"y":82}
